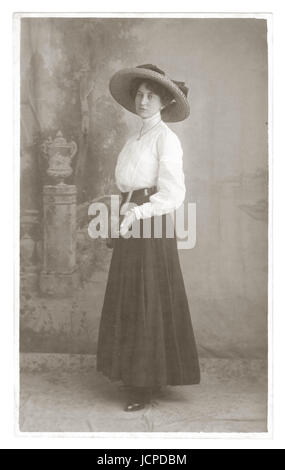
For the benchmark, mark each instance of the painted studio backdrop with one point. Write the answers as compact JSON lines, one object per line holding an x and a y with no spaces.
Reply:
{"x":67,"y":110}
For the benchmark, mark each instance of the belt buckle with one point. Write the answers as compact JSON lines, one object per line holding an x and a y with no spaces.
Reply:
{"x":146,"y":191}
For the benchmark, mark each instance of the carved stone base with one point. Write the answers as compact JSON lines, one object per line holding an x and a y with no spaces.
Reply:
{"x":59,"y":284}
{"x":59,"y":275}
{"x":29,"y":249}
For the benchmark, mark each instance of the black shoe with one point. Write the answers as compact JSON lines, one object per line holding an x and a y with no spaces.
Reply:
{"x":134,"y":406}
{"x":139,"y":397}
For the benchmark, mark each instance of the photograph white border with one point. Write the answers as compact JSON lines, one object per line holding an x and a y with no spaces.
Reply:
{"x":152,"y":436}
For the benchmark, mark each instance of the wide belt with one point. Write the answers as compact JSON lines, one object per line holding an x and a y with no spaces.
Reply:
{"x":138,"y":193}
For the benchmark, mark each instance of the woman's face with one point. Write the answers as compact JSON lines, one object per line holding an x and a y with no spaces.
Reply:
{"x":147,"y":103}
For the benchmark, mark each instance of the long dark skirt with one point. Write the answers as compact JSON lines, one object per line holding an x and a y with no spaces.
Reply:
{"x":146,"y":337}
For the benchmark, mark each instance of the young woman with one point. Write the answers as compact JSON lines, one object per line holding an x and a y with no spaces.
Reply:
{"x":146,"y":338}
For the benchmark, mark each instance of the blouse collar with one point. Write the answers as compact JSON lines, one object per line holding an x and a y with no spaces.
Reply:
{"x":151,"y":121}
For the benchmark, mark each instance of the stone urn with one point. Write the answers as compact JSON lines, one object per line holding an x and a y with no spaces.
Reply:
{"x":59,"y":154}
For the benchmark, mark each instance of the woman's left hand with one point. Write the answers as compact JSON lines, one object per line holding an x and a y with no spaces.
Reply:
{"x":127,"y":222}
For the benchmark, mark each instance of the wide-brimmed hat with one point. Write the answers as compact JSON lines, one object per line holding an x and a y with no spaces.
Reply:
{"x":120,"y":86}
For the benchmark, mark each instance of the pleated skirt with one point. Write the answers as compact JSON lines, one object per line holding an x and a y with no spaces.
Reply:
{"x":146,"y":336}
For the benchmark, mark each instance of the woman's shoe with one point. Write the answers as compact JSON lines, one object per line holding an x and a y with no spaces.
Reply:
{"x":139,"y":397}
{"x":134,"y":406}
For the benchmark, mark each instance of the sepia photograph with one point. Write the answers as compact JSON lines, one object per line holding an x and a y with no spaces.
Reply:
{"x":143,"y":162}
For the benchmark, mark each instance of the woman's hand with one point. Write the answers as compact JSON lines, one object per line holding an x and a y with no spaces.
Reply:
{"x":127,"y":222}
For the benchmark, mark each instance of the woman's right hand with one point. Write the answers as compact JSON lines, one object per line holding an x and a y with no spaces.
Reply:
{"x":127,"y":222}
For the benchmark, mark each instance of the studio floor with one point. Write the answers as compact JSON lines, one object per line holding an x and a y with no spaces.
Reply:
{"x":64,"y":393}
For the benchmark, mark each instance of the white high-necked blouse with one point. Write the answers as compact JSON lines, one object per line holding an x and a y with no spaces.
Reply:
{"x":153,"y":157}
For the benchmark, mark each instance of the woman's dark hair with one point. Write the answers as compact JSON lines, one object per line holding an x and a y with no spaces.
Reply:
{"x":165,"y":96}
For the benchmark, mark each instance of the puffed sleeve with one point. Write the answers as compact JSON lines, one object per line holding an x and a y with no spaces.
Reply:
{"x":170,"y":180}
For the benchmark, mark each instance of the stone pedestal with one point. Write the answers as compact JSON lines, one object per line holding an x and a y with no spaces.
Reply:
{"x":59,"y":274}
{"x":29,"y":256}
